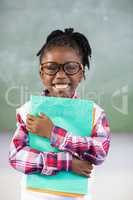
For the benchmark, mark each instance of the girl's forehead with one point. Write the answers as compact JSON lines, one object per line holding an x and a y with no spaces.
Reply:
{"x":58,"y":54}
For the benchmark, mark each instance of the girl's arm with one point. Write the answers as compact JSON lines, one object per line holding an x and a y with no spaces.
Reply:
{"x":93,"y":148}
{"x":28,"y":160}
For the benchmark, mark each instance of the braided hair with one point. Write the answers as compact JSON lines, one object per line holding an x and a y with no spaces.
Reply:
{"x":68,"y":38}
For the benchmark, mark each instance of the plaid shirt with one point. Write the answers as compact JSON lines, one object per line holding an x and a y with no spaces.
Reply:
{"x":93,"y":148}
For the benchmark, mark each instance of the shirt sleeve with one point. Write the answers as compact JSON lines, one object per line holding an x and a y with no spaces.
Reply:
{"x":93,"y":148}
{"x":28,"y":160}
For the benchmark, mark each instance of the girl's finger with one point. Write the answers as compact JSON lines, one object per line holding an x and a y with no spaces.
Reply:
{"x":30,"y":128}
{"x":88,"y":171}
{"x":42,"y":115}
{"x":85,"y":174}
{"x":90,"y":166}
{"x":30,"y":122}
{"x":29,"y":125}
{"x":31,"y":117}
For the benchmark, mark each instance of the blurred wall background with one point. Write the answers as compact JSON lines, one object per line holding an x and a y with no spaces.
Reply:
{"x":108,"y":24}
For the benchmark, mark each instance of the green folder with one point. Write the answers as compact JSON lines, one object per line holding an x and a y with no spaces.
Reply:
{"x":75,"y":116}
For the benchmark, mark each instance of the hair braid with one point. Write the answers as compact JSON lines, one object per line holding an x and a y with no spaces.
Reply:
{"x":84,"y":47}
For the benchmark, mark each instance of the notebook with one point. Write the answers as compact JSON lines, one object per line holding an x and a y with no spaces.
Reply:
{"x":73,"y":115}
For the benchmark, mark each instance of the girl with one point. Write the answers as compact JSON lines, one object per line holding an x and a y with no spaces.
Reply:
{"x":63,"y":59}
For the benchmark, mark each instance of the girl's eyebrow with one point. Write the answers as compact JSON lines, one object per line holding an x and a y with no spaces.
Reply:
{"x":60,"y":63}
{"x":48,"y":62}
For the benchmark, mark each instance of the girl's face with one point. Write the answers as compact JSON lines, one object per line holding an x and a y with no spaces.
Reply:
{"x":61,"y":84}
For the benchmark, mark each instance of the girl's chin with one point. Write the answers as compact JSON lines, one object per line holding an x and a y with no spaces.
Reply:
{"x":61,"y":93}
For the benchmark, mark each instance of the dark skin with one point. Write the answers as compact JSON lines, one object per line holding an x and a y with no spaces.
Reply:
{"x":54,"y":85}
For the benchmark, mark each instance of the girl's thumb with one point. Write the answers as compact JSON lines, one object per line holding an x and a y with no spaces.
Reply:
{"x":41,"y":115}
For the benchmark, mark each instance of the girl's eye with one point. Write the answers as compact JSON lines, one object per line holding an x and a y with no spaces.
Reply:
{"x":71,"y":66}
{"x":51,"y":66}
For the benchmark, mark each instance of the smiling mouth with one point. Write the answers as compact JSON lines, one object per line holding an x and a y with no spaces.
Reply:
{"x":61,"y":86}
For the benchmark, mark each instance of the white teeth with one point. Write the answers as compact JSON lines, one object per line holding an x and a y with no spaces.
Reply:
{"x":61,"y":86}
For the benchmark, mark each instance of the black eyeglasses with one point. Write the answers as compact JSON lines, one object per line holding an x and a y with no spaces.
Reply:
{"x":70,"y":68}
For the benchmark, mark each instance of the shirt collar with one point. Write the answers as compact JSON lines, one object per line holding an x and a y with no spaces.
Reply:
{"x":45,"y":93}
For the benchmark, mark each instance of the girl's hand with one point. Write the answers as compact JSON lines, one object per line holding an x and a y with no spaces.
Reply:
{"x":41,"y":125}
{"x":81,"y":167}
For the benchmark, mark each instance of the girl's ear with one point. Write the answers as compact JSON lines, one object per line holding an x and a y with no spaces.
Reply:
{"x":82,"y":76}
{"x":41,"y":73}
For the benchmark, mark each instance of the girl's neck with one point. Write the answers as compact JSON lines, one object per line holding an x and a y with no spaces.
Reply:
{"x":46,"y":93}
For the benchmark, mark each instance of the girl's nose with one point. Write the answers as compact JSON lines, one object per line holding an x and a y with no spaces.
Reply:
{"x":61,"y":73}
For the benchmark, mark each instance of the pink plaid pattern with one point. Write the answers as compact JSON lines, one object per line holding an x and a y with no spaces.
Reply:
{"x":27,"y":160}
{"x":92,"y":148}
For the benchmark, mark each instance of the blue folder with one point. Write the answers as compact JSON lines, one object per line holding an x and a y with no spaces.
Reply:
{"x":75,"y":116}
